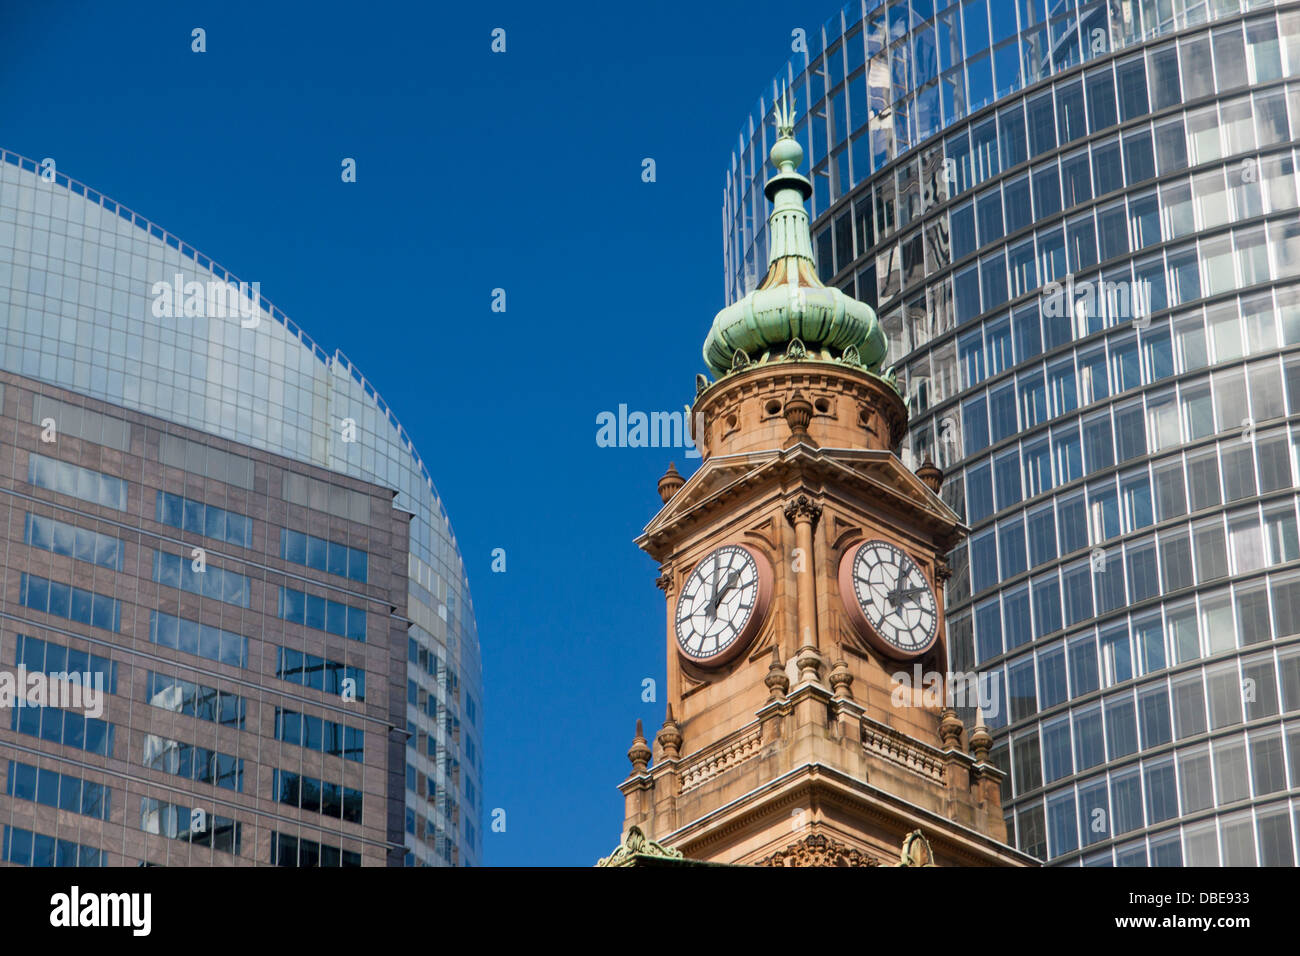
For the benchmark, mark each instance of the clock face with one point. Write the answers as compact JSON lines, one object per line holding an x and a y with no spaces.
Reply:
{"x":889,"y":599}
{"x":722,"y":604}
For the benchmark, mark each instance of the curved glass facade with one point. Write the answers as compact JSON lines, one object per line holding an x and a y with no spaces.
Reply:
{"x":1078,"y":225}
{"x":79,"y":275}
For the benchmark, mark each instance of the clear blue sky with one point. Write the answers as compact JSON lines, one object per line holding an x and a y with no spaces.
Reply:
{"x":475,"y":171}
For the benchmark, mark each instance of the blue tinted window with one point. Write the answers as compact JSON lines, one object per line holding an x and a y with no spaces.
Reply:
{"x":966,"y":294}
{"x":1011,"y":547}
{"x":1047,"y":605}
{"x":1038,"y":467}
{"x":1041,"y":122}
{"x":315,"y":733}
{"x":979,"y":492}
{"x":202,"y":639}
{"x":1076,"y":590}
{"x":988,"y":628}
{"x":984,"y":148}
{"x":79,"y":543}
{"x":77,"y":482}
{"x":50,"y":658}
{"x":1073,"y":524}
{"x":193,"y":763}
{"x":1011,"y":135}
{"x":69,"y":728}
{"x":970,"y":349}
{"x":1033,"y":400}
{"x":321,"y":614}
{"x":1006,"y":472}
{"x":63,"y":791}
{"x":975,"y":425}
{"x":988,"y":207}
{"x":25,"y":848}
{"x":61,"y":600}
{"x":1068,"y":452}
{"x":1017,"y":204}
{"x":1002,"y":411}
{"x":204,"y":519}
{"x":1006,"y":69}
{"x":1101,"y":100}
{"x":1057,"y":758}
{"x":1028,"y":336}
{"x":1051,"y":677}
{"x":1015,"y":616}
{"x":213,"y":582}
{"x":984,"y":561}
{"x":1041,"y":526}
{"x":1083,"y":667}
{"x":963,"y":231}
{"x":975,"y":21}
{"x":1047,"y":191}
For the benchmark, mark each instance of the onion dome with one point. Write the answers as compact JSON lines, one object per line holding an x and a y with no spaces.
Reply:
{"x":791,"y":314}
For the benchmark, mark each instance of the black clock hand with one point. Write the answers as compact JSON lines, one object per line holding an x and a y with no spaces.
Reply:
{"x":713,"y":593}
{"x":892,"y":596}
{"x":730,"y":582}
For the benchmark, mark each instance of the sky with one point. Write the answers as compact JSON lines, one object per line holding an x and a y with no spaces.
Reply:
{"x":475,"y":171}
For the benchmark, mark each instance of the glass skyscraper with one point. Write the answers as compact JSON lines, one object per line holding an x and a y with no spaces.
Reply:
{"x":101,"y":310}
{"x":1078,"y":225}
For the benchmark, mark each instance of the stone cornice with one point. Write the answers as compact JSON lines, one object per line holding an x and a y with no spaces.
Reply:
{"x":875,"y":475}
{"x":967,"y":846}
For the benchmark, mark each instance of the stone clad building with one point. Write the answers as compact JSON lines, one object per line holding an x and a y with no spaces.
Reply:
{"x":309,"y":692}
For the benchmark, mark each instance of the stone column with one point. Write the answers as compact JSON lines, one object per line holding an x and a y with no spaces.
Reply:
{"x":803,"y":513}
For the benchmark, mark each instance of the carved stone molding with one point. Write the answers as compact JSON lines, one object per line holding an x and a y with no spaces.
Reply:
{"x":803,"y":507}
{"x":637,"y":844}
{"x":721,"y":758}
{"x":902,"y":750}
{"x":817,"y":849}
{"x":664,"y":583}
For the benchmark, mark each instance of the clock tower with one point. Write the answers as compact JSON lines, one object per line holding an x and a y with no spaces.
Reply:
{"x":803,"y":572}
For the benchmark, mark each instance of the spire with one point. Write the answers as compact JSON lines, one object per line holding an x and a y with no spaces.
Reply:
{"x":788,"y":231}
{"x":791,"y":306}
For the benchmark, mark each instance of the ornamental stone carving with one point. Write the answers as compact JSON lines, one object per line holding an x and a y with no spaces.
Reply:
{"x":803,"y":507}
{"x":637,"y":844}
{"x":818,"y":850}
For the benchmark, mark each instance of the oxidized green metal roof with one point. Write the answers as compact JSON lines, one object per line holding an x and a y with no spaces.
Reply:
{"x":791,"y":305}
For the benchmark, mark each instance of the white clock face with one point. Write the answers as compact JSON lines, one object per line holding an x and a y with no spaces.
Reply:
{"x":719,"y":603}
{"x":894,"y":597}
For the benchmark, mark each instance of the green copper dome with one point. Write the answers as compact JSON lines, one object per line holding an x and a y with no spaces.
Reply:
{"x":791,"y":312}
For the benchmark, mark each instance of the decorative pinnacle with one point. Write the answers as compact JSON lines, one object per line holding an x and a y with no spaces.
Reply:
{"x":777,"y":683}
{"x":980,"y":738}
{"x":950,"y":728}
{"x":670,"y":483}
{"x":784,"y":118}
{"x":669,"y":737}
{"x":639,"y":752}
{"x":841,"y":677}
{"x":787,"y":155}
{"x":931,"y":474}
{"x":798,"y":413}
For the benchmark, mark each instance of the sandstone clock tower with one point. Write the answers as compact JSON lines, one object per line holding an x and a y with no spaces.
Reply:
{"x":803,"y":565}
